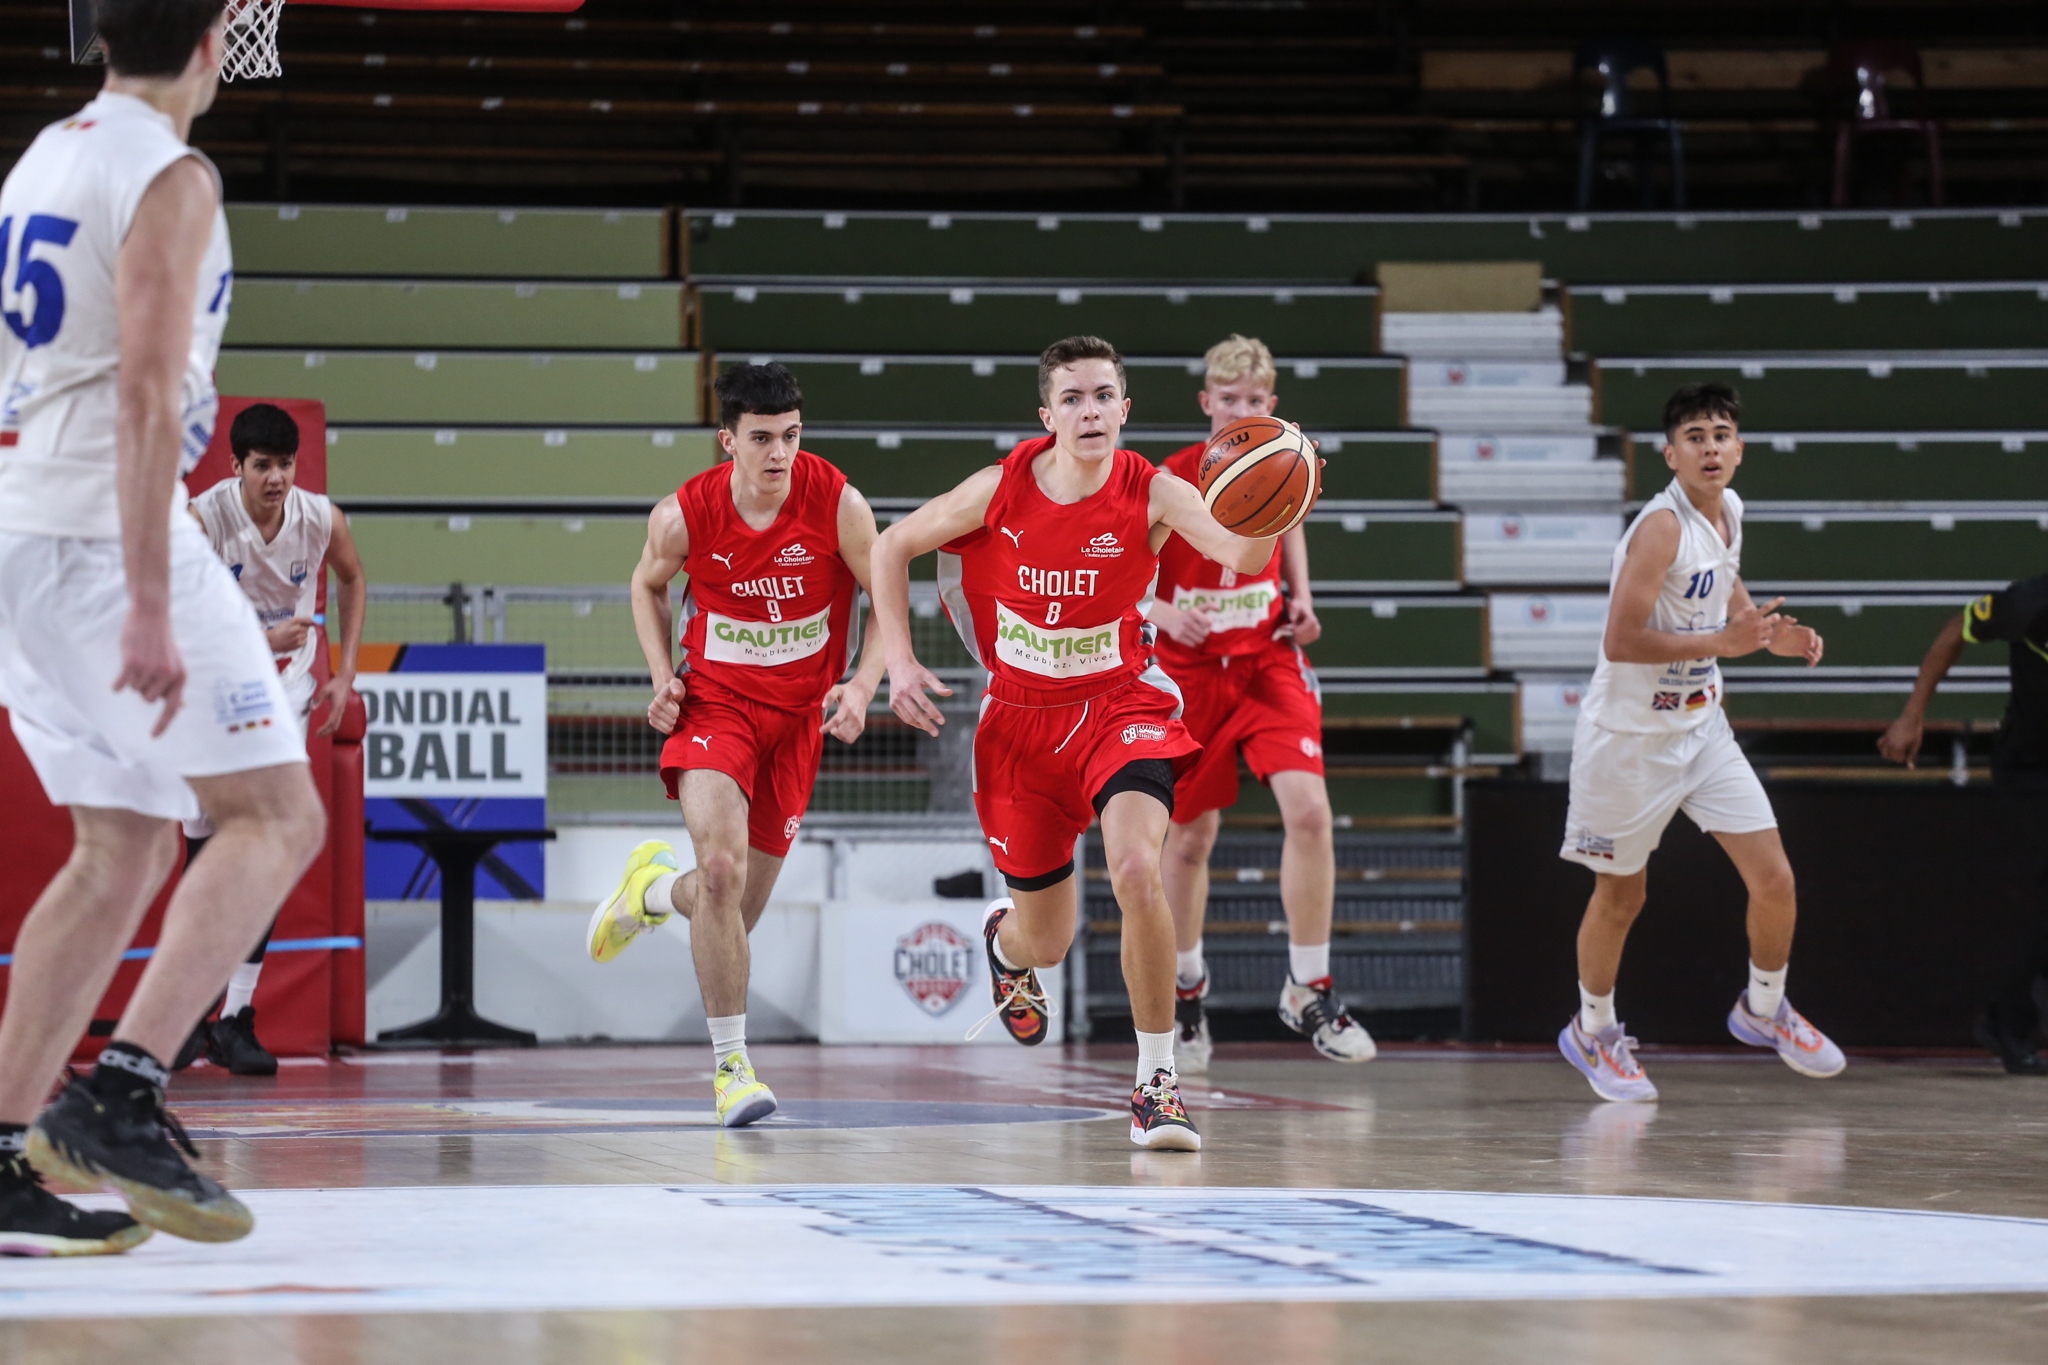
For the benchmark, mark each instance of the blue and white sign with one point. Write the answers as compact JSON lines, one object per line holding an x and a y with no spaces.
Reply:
{"x":458,"y":735}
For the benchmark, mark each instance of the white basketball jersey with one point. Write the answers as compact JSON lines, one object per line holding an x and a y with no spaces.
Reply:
{"x":1658,"y":698}
{"x":64,"y":212}
{"x":281,"y":577}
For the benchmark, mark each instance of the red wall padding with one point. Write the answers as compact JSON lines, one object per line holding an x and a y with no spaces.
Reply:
{"x":306,"y":1001}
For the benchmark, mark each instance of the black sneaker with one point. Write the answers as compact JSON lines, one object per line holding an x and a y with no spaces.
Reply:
{"x":1157,"y":1118}
{"x":231,"y":1042}
{"x":1019,"y":999}
{"x":34,"y":1222}
{"x":110,"y":1131}
{"x":2015,"y":1051}
{"x":1192,"y":1047}
{"x":195,"y":1045}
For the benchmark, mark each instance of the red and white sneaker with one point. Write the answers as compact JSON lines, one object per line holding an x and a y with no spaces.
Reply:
{"x":1157,"y":1119}
{"x":1315,"y":1012}
{"x":1020,"y":1000}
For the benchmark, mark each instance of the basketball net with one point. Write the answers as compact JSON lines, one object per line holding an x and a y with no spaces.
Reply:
{"x":251,"y":37}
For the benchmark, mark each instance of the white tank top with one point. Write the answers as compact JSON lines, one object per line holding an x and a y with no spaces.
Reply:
{"x":281,"y":577}
{"x":64,"y":212}
{"x":1645,"y":699}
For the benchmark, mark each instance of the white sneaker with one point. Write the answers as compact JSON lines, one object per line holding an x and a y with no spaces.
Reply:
{"x":1320,"y":1016}
{"x":1607,"y":1060}
{"x":1192,"y":1047}
{"x":1799,"y":1044}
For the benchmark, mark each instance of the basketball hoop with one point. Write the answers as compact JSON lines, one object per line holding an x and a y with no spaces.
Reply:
{"x":251,"y":38}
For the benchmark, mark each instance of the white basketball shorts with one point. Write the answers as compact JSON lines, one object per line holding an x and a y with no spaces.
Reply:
{"x":1626,"y":788}
{"x":62,"y":605}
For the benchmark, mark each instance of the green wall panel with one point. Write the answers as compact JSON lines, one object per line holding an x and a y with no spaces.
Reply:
{"x":335,"y":239}
{"x":466,"y":464}
{"x":1843,"y":318}
{"x":472,"y":386}
{"x":1599,"y":249}
{"x":445,"y":313}
{"x":1840,"y":395}
{"x":1155,"y":321}
{"x":1490,"y":707}
{"x":1335,"y":395}
{"x":1383,"y":550}
{"x":1905,"y":549}
{"x":1934,"y":467}
{"x":1445,"y":634}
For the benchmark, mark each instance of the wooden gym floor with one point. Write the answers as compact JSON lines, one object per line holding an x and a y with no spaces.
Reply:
{"x":950,"y":1204}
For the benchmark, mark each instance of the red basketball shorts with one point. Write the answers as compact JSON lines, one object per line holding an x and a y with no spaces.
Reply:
{"x":1037,"y":768}
{"x":1266,"y":706}
{"x":772,"y":753}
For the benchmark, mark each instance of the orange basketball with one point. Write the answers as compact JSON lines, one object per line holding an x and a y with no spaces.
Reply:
{"x":1259,"y":476}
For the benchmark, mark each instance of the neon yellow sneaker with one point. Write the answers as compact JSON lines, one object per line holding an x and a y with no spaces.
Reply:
{"x":742,"y":1099}
{"x":623,"y":916}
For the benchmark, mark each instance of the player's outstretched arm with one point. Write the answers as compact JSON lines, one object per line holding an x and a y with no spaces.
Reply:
{"x":1901,"y":740}
{"x":846,"y":705}
{"x":661,"y":559}
{"x":156,"y":285}
{"x":945,"y":518}
{"x":1178,"y":507}
{"x":353,"y":599}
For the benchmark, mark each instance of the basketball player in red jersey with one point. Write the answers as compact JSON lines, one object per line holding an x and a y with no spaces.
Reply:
{"x":1047,"y":558}
{"x":774,"y":541}
{"x":1232,"y":642}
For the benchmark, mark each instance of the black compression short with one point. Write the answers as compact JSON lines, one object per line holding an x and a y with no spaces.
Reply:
{"x":1152,"y":776}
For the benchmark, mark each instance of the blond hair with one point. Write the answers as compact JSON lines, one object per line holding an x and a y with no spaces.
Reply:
{"x":1239,"y":357}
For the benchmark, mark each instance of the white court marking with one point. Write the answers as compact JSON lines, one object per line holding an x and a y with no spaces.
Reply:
{"x":527,"y":1248}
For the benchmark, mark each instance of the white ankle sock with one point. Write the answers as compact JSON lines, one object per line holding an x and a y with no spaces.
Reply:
{"x":728,"y":1035}
{"x":1766,"y":990}
{"x":661,"y":894}
{"x":241,"y":989}
{"x":1002,"y":956}
{"x":1188,"y":967}
{"x":1308,"y":962}
{"x":1596,"y":1012}
{"x":1155,"y":1053}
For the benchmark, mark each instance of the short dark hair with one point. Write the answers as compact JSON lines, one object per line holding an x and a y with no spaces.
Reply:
{"x":766,"y":389}
{"x":153,"y":37}
{"x":1068,"y":351}
{"x":1702,"y":400}
{"x":263,"y":427}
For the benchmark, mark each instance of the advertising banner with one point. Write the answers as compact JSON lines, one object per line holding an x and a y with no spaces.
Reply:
{"x":911,"y":972}
{"x":458,"y":735}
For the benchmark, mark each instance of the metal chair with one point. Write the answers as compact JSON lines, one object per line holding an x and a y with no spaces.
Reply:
{"x":1614,"y":60}
{"x":1864,"y":71}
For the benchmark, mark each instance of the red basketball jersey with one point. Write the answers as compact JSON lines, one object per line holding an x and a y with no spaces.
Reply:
{"x":1245,"y":607}
{"x":766,"y":613}
{"x":1046,"y":595}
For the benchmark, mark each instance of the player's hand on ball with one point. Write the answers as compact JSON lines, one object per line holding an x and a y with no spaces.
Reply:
{"x":846,"y":711}
{"x":151,"y":664}
{"x":1794,"y":641}
{"x":1300,"y":622}
{"x":667,"y":706}
{"x":1753,"y":628}
{"x":908,"y":683}
{"x":1900,"y":741}
{"x":286,"y":636}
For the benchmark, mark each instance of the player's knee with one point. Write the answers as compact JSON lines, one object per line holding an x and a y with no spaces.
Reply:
{"x":1775,"y":882}
{"x":721,"y":877}
{"x":1619,"y":899}
{"x":299,"y":824}
{"x":1305,"y":818}
{"x":1134,"y":875}
{"x":1189,"y":845}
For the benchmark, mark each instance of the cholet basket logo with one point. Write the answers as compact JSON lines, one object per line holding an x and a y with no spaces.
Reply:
{"x":932,"y":965}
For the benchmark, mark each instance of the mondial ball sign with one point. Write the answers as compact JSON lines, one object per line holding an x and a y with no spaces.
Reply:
{"x":445,"y":733}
